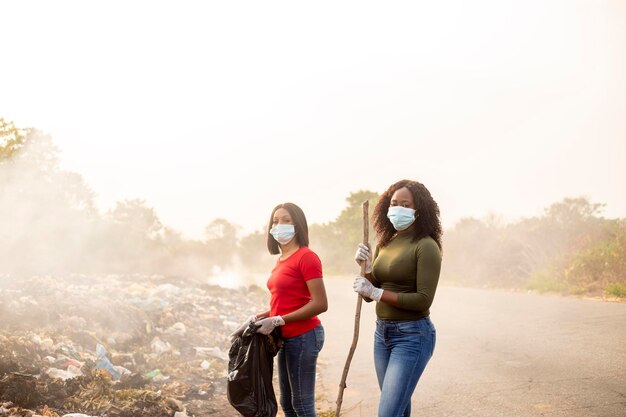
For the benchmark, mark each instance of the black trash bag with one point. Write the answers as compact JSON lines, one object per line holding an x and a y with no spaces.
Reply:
{"x":250,"y":368}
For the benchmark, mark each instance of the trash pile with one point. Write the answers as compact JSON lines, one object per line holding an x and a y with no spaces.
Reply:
{"x":118,"y":346}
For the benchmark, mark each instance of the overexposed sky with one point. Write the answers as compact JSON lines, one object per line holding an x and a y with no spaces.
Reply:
{"x":224,"y":109}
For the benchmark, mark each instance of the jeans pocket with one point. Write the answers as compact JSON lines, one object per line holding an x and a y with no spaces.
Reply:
{"x":409,"y":328}
{"x":319,"y":337}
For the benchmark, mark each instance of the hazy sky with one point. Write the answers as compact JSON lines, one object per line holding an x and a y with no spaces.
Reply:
{"x":224,"y":109}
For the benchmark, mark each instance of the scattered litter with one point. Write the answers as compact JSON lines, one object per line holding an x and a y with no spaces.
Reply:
{"x":214,"y":352}
{"x":105,"y":363}
{"x":71,"y":372}
{"x":160,"y":347}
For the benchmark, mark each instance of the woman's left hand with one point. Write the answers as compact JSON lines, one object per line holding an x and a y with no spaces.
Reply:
{"x":266,"y":325}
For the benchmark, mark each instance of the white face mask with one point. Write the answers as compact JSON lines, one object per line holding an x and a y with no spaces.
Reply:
{"x":283,"y":233}
{"x":401,"y":217}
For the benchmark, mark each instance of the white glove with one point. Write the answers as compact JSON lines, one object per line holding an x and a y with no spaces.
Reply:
{"x":241,"y":328}
{"x":266,"y":325}
{"x":367,"y":289}
{"x":363,"y":255}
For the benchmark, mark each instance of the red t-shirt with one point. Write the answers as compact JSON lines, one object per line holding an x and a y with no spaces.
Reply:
{"x":289,"y":291}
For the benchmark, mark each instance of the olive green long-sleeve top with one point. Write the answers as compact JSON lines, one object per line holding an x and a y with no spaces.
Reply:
{"x":410,"y":269}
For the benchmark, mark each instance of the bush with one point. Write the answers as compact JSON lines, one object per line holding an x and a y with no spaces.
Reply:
{"x":617,"y":290}
{"x":602,"y":264}
{"x":544,"y":281}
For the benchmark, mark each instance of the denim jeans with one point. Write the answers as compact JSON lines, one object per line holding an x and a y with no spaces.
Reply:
{"x":297,"y":360}
{"x":401,"y":351}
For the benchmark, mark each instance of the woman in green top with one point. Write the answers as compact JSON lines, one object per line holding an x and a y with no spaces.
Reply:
{"x":402,"y":279}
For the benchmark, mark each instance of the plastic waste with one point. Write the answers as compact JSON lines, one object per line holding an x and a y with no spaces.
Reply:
{"x":212,"y":351}
{"x":156,"y":376}
{"x":76,"y":415}
{"x":71,"y":372}
{"x":122,"y":370}
{"x":104,"y":363}
{"x":152,"y":374}
{"x":159,"y":346}
{"x":45,"y":344}
{"x":160,"y":378}
{"x":177,"y":329}
{"x":250,"y":368}
{"x":64,"y":363}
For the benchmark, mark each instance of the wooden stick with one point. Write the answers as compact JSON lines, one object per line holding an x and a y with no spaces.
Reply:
{"x":357,"y":315}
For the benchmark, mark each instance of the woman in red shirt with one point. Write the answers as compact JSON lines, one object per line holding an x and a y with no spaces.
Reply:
{"x":297,"y":297}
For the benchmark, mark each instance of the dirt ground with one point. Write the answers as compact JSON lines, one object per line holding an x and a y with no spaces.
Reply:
{"x":497,"y":354}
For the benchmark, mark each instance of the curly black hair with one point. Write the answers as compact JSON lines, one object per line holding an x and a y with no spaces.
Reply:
{"x":427,"y":222}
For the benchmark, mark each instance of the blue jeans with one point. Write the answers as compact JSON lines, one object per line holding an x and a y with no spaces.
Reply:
{"x":401,"y":351}
{"x":297,"y":360}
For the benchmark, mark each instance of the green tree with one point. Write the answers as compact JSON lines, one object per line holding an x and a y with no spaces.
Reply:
{"x":572,"y":211}
{"x":11,"y":140}
{"x":221,"y":241}
{"x":253,"y":252}
{"x":46,"y":212}
{"x":133,"y":237}
{"x":137,"y":219}
{"x":349,"y":223}
{"x":570,"y":248}
{"x":336,"y":241}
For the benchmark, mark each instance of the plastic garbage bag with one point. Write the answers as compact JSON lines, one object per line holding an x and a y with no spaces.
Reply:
{"x":250,"y":368}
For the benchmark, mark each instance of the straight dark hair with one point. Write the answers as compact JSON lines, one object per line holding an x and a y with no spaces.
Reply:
{"x":299,"y":221}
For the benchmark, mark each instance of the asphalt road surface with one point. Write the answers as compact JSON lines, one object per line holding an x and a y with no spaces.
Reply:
{"x":497,"y":354}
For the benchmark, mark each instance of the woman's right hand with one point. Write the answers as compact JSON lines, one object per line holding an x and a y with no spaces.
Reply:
{"x":363,"y":255}
{"x":234,"y":335}
{"x":366,"y":289}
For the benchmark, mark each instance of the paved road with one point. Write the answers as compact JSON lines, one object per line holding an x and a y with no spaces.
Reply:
{"x":497,"y":354}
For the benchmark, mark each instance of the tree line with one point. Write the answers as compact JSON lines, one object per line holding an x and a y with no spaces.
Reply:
{"x":570,"y":249}
{"x":50,"y":225}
